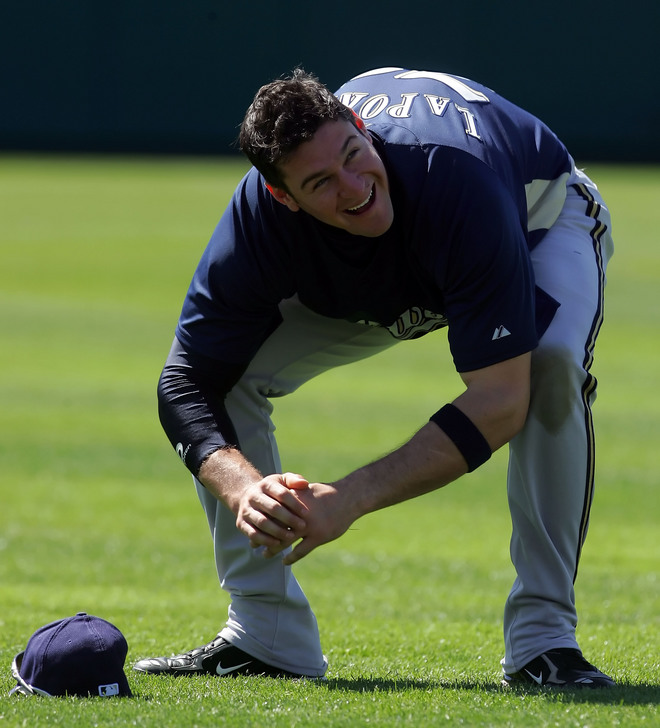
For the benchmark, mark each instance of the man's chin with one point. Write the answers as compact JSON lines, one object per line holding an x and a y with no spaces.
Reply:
{"x":374,"y":223}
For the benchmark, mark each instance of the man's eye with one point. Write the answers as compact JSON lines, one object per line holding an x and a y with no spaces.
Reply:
{"x":320,"y":182}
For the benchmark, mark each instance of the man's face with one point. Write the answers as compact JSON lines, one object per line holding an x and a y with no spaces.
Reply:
{"x":338,"y":178}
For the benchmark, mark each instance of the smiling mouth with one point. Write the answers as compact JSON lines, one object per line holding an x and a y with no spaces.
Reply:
{"x":363,"y":206}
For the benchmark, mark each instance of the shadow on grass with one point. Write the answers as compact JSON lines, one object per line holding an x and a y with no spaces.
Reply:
{"x":622,"y":694}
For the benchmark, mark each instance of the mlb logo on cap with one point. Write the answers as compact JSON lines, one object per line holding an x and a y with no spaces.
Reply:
{"x":82,"y":656}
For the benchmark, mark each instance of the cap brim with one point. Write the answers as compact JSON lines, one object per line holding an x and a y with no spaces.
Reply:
{"x":23,"y":688}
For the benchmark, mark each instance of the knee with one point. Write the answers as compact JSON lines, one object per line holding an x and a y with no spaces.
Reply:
{"x":557,"y":381}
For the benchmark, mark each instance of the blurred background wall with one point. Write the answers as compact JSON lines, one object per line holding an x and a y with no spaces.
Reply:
{"x":175,"y":76}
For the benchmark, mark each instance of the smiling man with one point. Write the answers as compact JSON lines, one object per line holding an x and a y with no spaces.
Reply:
{"x":407,"y":202}
{"x":339,"y":179}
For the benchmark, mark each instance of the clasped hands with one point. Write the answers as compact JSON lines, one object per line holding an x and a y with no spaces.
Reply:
{"x":281,"y":509}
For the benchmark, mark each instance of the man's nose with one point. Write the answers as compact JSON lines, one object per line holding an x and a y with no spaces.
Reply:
{"x":351,"y":183}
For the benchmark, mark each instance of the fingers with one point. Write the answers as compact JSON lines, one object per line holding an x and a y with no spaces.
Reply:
{"x":280,"y":509}
{"x":270,"y":513}
{"x":295,"y":481}
{"x":277,"y":498}
{"x":305,"y":547}
{"x":264,"y":530}
{"x":326,"y":519}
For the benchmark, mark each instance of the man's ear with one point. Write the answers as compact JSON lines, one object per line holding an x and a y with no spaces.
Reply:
{"x":283,"y":197}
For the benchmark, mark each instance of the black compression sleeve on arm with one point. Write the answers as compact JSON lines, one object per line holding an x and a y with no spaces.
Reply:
{"x":191,"y":392}
{"x":467,"y":437}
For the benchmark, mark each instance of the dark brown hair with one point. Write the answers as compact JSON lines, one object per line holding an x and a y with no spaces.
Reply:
{"x":284,"y":114}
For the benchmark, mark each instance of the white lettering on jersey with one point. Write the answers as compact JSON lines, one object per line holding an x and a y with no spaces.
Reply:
{"x":351,"y":99}
{"x":378,"y":72}
{"x":402,"y":110}
{"x":458,"y":84}
{"x":461,"y":88}
{"x":470,"y":121}
{"x":374,"y":106}
{"x":438,"y":104}
{"x":413,"y":323}
{"x":382,"y":103}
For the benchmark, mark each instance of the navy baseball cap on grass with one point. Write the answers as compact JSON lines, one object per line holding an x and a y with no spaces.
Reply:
{"x":81,"y":656}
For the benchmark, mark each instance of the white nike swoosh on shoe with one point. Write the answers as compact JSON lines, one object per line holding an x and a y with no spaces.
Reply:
{"x":538,"y":680}
{"x":226,"y":670}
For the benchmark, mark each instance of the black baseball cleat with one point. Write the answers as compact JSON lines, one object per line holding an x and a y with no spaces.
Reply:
{"x":218,"y":657}
{"x":561,"y":668}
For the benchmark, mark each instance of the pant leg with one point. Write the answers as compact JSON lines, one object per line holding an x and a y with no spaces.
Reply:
{"x":269,"y":615}
{"x":551,"y":464}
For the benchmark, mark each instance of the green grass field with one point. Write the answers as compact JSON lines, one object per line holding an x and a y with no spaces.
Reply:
{"x":97,"y":514}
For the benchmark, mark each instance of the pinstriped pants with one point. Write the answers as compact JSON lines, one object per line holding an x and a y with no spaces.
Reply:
{"x":551,"y":463}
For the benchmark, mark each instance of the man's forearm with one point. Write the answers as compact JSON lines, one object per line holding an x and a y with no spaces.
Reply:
{"x":267,"y":509}
{"x":495,"y":402}
{"x":428,"y":461}
{"x":191,"y":392}
{"x":226,"y":474}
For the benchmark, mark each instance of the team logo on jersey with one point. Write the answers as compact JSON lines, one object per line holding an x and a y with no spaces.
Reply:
{"x":413,"y":323}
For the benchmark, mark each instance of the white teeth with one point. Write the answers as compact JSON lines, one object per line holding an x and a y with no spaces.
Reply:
{"x":361,"y":205}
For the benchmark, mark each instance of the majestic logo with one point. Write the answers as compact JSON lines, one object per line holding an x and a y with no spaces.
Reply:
{"x":500,"y":332}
